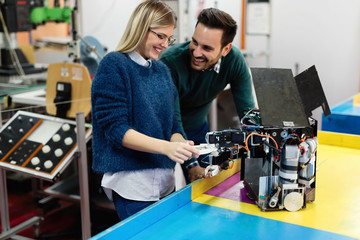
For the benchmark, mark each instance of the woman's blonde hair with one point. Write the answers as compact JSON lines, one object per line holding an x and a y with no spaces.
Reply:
{"x":148,"y":14}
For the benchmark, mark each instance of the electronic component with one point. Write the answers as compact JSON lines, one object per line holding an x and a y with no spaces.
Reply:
{"x":276,"y":143}
{"x":38,"y":145}
{"x":286,"y":162}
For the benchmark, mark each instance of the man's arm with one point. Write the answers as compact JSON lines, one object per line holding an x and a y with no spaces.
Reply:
{"x":241,"y":86}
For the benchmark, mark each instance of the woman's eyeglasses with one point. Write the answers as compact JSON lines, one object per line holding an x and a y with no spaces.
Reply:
{"x":170,"y":40}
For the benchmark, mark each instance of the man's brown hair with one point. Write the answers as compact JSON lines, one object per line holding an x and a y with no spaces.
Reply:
{"x":215,"y":18}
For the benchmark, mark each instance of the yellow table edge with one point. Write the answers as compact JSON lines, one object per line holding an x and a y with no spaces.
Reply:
{"x":339,"y":139}
{"x":202,"y":185}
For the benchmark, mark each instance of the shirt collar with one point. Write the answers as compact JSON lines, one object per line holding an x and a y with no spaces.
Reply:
{"x":216,"y":67}
{"x":136,"y":57}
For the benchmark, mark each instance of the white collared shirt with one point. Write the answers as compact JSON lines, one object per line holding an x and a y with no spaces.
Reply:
{"x":140,"y":185}
{"x":136,"y":57}
{"x":216,"y":67}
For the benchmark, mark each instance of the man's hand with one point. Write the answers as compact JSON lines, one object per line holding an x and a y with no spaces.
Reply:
{"x":196,"y":173}
{"x":212,"y":170}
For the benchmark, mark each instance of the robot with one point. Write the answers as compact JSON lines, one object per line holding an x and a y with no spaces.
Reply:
{"x":276,"y":144}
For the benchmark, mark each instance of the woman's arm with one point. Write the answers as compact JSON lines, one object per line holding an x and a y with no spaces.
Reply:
{"x":177,"y":137}
{"x":177,"y":151}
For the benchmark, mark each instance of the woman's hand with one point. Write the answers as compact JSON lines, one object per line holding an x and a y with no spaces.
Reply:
{"x":181,"y":151}
{"x":178,"y":149}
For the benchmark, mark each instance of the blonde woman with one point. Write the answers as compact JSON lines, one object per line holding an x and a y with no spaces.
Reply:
{"x":137,"y":138}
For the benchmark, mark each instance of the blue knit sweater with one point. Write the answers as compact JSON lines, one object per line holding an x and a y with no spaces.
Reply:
{"x":126,"y":95}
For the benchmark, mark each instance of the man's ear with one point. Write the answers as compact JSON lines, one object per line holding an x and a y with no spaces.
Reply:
{"x":226,"y":49}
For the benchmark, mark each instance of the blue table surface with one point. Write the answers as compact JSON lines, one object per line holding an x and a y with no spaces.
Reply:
{"x":347,"y":108}
{"x":209,"y":222}
{"x":200,"y":221}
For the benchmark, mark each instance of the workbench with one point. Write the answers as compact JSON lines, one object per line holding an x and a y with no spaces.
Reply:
{"x":345,"y":117}
{"x":218,"y":208}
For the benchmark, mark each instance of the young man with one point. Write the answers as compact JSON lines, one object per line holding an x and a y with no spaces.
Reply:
{"x":201,"y":69}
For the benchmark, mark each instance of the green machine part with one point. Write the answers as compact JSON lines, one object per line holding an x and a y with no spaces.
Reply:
{"x":40,"y":15}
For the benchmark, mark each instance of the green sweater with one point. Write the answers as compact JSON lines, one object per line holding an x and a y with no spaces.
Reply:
{"x":197,"y":89}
